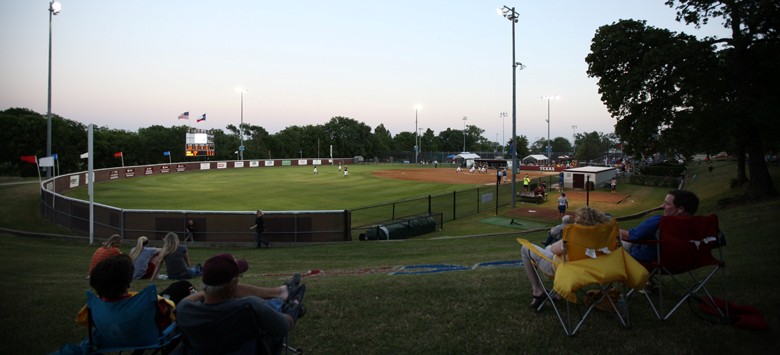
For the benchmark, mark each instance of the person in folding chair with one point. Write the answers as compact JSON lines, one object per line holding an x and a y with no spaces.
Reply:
{"x":676,"y":203}
{"x":121,"y":319}
{"x":685,"y":243}
{"x":584,"y":216}
{"x":232,"y":318}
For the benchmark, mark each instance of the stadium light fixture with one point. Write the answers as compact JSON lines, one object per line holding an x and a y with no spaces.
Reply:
{"x":549,"y":147}
{"x":510,"y":14}
{"x":54,"y":9}
{"x":241,"y":125}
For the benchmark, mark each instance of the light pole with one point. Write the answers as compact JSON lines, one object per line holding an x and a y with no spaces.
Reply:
{"x":416,"y":136}
{"x":464,"y":133}
{"x":503,"y":139}
{"x":241,"y":125}
{"x":549,"y":148}
{"x":419,"y":144}
{"x":574,"y":139}
{"x":512,"y":16}
{"x":54,"y":9}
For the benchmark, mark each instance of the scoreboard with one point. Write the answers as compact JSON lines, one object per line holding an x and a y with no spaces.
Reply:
{"x":199,"y":142}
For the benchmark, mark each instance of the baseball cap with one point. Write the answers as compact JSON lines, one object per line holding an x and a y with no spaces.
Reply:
{"x":222,"y":268}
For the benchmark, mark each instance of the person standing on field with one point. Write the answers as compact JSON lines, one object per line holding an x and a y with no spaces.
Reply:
{"x":563,"y":204}
{"x":259,"y":228}
{"x":346,"y":172}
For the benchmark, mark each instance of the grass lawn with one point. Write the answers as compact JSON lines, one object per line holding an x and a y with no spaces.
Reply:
{"x":278,"y":189}
{"x":357,"y":307}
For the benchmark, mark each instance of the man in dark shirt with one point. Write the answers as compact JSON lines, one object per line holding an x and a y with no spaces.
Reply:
{"x":216,"y":319}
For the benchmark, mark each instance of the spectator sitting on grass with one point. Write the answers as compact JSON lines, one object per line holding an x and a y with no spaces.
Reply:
{"x":556,"y":233}
{"x":109,"y":248}
{"x":176,"y":259}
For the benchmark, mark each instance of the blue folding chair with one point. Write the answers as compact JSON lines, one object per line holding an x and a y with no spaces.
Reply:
{"x":129,"y":324}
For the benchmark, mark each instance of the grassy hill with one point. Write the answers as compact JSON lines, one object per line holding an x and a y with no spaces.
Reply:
{"x":357,"y":307}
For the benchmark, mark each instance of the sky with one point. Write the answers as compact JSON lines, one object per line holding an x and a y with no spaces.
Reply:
{"x":129,"y":65}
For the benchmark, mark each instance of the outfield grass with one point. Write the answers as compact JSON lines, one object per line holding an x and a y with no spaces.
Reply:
{"x":356,"y":307}
{"x":277,"y":189}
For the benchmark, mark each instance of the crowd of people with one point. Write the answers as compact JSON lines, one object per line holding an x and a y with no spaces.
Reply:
{"x":197,"y":313}
{"x":277,"y":308}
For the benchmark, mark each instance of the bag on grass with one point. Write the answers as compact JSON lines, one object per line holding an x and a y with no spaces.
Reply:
{"x":178,"y":290}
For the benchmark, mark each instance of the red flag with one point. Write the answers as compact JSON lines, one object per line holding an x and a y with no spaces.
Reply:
{"x":118,"y":155}
{"x":29,"y":159}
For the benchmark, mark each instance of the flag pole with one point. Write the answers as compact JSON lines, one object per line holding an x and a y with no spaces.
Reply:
{"x":38,"y":167}
{"x":122,"y":154}
{"x":90,"y":178}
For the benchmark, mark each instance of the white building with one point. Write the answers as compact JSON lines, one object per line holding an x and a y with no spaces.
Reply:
{"x":575,"y":178}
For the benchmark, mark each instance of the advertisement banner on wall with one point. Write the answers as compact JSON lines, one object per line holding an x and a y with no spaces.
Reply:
{"x":303,"y":162}
{"x":205,"y":166}
{"x":269,"y":163}
{"x":238,"y":164}
{"x":254,"y":163}
{"x":74,"y":180}
{"x":221,"y":165}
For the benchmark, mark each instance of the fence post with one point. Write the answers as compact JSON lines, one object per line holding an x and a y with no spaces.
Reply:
{"x":478,"y":200}
{"x":429,"y":205}
{"x":392,"y":217}
{"x":454,"y":204}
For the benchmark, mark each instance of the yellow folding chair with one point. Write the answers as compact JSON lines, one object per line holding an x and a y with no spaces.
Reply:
{"x":592,"y":270}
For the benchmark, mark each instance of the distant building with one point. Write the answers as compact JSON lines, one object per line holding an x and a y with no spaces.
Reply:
{"x":575,"y":178}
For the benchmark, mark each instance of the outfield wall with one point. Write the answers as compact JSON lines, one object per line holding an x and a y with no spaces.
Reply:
{"x":219,"y":227}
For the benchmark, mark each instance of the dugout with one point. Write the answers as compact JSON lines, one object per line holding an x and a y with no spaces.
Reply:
{"x":492,"y":163}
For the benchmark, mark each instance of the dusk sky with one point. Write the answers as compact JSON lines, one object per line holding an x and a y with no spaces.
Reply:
{"x":134,"y":64}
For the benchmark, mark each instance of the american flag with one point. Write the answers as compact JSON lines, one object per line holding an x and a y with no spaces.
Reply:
{"x":202,"y":118}
{"x":184,"y":116}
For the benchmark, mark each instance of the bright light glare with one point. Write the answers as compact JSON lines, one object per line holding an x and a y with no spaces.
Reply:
{"x":55,"y":7}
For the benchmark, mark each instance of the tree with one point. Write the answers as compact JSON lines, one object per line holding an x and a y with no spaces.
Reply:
{"x":539,"y":147}
{"x":383,"y":141}
{"x":451,"y":140}
{"x":593,"y":145}
{"x":561,"y":145}
{"x":156,"y":139}
{"x":522,"y":147}
{"x":404,"y":144}
{"x":348,"y":136}
{"x":662,"y":86}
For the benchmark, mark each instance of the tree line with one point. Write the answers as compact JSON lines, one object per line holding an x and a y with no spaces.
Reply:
{"x":24,"y":133}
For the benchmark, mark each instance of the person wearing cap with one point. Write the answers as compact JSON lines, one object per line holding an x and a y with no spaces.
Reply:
{"x":201,"y":316}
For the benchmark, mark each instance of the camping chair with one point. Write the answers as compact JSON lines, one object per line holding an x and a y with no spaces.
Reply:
{"x":590,"y":274}
{"x":235,"y":332}
{"x":129,"y":324}
{"x":686,"y":262}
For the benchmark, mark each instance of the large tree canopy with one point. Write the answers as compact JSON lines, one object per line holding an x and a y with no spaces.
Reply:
{"x":675,"y":93}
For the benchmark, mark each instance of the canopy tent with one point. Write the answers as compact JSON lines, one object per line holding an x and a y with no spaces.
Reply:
{"x":466,"y":159}
{"x":535,"y":158}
